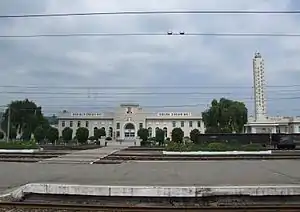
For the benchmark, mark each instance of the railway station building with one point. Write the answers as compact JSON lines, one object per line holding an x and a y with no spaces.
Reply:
{"x":127,"y":119}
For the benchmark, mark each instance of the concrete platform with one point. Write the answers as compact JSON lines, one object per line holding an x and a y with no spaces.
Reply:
{"x":202,"y":173}
{"x":153,"y":191}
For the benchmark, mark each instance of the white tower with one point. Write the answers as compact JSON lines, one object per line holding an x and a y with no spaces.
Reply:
{"x":259,"y":87}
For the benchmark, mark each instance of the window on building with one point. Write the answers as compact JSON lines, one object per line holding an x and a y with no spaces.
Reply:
{"x":118,"y":126}
{"x":118,"y":134}
{"x":63,"y":123}
{"x":71,"y":124}
{"x":199,"y":123}
{"x":87,"y":124}
{"x":191,"y":123}
{"x":174,"y":123}
{"x":182,"y":124}
{"x":141,"y":125}
{"x":299,"y":129}
{"x":78,"y":124}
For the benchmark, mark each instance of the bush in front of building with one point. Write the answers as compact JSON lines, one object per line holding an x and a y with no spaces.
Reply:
{"x":67,"y":134}
{"x":98,"y":133}
{"x":254,"y":147}
{"x":52,"y":134}
{"x":82,"y":135}
{"x":143,"y":134}
{"x":212,"y":147}
{"x":160,"y":137}
{"x":177,"y":135}
{"x":218,"y":147}
{"x":194,"y":135}
{"x":146,"y":143}
{"x":1,"y":135}
{"x":39,"y":134}
{"x":92,"y":138}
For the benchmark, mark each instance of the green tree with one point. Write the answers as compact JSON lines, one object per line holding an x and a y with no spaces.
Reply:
{"x":26,"y":136}
{"x":67,"y":134}
{"x":225,"y":116}
{"x":24,"y":115}
{"x":1,"y":135}
{"x":98,"y":133}
{"x":177,"y":135}
{"x":39,"y":134}
{"x":12,"y":133}
{"x":194,"y":135}
{"x":160,"y":136}
{"x":52,"y":134}
{"x":143,"y":134}
{"x":82,"y":135}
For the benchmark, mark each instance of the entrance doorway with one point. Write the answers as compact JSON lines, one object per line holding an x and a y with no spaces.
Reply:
{"x":129,"y":131}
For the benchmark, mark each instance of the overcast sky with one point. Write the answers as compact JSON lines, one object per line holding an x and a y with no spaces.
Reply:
{"x":147,"y":61}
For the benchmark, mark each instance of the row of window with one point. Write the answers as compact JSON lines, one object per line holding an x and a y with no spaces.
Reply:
{"x":63,"y":124}
{"x":141,"y":125}
{"x":182,"y":124}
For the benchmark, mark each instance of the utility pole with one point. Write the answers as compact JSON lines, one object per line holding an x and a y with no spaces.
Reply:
{"x":8,"y":125}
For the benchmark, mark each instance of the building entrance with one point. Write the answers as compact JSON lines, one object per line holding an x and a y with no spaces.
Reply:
{"x":129,"y":131}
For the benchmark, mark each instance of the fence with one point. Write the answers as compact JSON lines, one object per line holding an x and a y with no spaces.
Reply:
{"x":262,"y":138}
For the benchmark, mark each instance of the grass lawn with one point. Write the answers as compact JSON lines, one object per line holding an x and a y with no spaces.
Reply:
{"x":213,"y":147}
{"x":18,"y":145}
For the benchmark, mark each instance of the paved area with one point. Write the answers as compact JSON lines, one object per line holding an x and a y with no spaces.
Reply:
{"x":87,"y":156}
{"x":204,"y":173}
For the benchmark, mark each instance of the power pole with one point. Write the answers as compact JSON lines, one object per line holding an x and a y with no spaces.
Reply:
{"x":8,"y":125}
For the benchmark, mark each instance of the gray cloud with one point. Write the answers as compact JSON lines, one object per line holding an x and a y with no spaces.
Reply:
{"x":142,"y":61}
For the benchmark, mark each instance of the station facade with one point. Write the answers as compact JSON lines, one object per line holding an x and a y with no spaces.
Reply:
{"x":127,"y":119}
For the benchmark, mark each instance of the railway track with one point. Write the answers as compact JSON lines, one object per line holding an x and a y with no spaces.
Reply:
{"x":116,"y":208}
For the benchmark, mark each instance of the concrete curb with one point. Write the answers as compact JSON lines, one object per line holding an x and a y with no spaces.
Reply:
{"x":269,"y":152}
{"x":153,"y":191}
{"x":20,"y":150}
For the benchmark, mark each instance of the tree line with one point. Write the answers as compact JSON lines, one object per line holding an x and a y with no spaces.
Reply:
{"x":27,"y":120}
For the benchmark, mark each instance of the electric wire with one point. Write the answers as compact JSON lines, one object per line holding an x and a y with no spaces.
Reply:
{"x":165,"y":12}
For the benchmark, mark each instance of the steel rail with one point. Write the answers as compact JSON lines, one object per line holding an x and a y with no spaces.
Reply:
{"x":83,"y":207}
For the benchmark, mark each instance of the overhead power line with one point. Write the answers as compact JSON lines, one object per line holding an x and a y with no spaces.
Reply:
{"x":151,"y":34}
{"x":143,"y":87}
{"x":167,"y":12}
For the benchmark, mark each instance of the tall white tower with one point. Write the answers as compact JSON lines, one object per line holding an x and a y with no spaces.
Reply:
{"x":259,"y":87}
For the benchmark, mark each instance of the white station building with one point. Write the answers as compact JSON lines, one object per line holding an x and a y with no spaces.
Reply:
{"x":261,"y":122}
{"x":127,"y":119}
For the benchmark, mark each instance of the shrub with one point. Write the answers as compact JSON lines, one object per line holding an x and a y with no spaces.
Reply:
{"x":253,"y":147}
{"x":39,"y":134}
{"x":194,"y":135}
{"x":108,"y":139}
{"x":52,"y":134}
{"x":177,"y":135}
{"x":1,"y":135}
{"x":67,"y":134}
{"x":160,"y":136}
{"x":217,"y":147}
{"x":179,"y":147}
{"x":92,"y":138}
{"x":143,"y":134}
{"x":82,"y":135}
{"x":146,"y":143}
{"x":98,"y":133}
